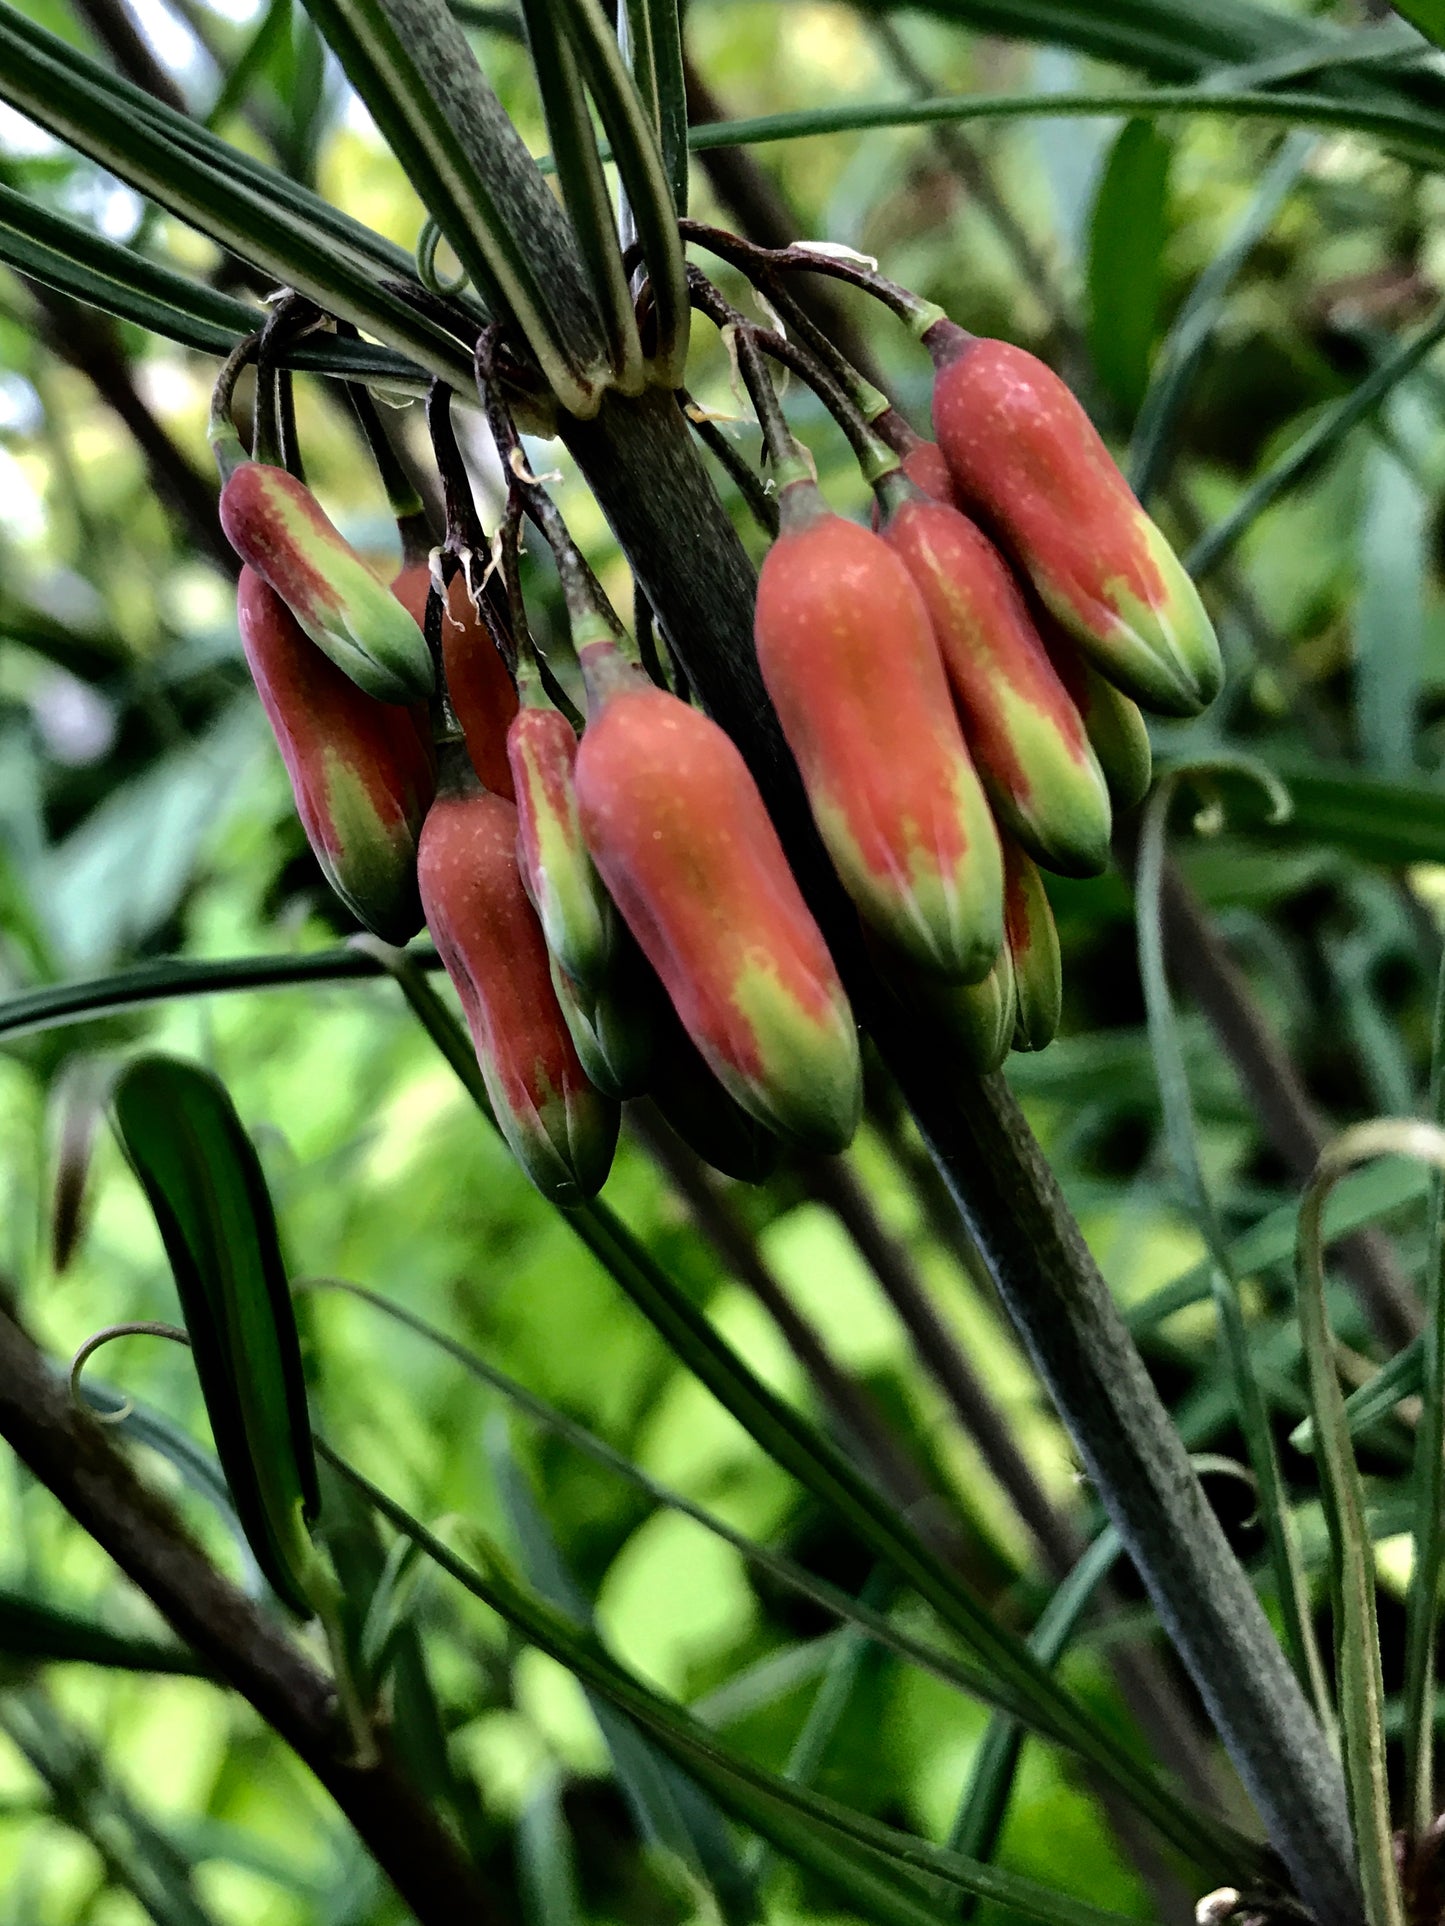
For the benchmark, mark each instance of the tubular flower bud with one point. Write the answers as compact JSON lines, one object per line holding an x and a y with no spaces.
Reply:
{"x":361,"y":774}
{"x":702,"y":1113}
{"x":977,"y":1019}
{"x":614,"y":1027}
{"x":1114,"y":725}
{"x":849,"y":659}
{"x":562,"y":880}
{"x":1026,"y":736}
{"x":276,"y":524}
{"x":1026,"y":458}
{"x":925,"y":467}
{"x":684,"y":844}
{"x":480,"y":688}
{"x":1033,"y":948}
{"x":562,"y":1131}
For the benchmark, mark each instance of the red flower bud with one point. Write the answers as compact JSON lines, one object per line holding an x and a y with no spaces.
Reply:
{"x":477,"y":680}
{"x":615,"y":1027}
{"x":561,"y":1129}
{"x":849,"y":658}
{"x":277,"y":526}
{"x":1114,"y":725}
{"x":361,"y":774}
{"x":677,"y":828}
{"x":702,"y":1113}
{"x":1026,"y":458}
{"x":1026,"y":736}
{"x":926,"y":469}
{"x":1033,"y":947}
{"x":561,"y":877}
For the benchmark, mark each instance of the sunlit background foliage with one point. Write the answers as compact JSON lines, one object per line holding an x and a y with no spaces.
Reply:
{"x":143,"y":811}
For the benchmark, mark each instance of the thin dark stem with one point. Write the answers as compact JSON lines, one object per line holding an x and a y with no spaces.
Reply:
{"x":874,"y":457}
{"x":766,"y":262}
{"x":113,"y":27}
{"x":584,"y":595}
{"x":761,"y":505}
{"x":69,"y":1454}
{"x":752,"y":197}
{"x":402,"y":494}
{"x":645,"y":630}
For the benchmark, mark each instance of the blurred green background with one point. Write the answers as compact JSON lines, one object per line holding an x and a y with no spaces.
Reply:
{"x":144,"y":812}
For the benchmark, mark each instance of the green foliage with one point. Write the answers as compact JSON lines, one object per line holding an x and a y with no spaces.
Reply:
{"x":786,"y":1666}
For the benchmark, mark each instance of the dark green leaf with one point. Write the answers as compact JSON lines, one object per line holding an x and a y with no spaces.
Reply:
{"x":205,"y":1185}
{"x":1127,"y":235}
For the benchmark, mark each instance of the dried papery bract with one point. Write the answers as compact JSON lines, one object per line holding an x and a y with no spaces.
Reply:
{"x":482,"y":696}
{"x":680,"y":835}
{"x":277,"y":526}
{"x":849,"y":659}
{"x":561,"y":1128}
{"x":1026,"y":458}
{"x":1026,"y":735}
{"x":362,"y":774}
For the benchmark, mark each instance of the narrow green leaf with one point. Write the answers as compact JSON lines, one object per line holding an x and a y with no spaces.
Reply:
{"x":639,"y":161}
{"x":251,"y":209}
{"x":1403,"y":129}
{"x":1314,"y":445}
{"x":802,"y":1823}
{"x":162,"y":979}
{"x":458,"y":195}
{"x":204,"y":1183}
{"x":1015,"y":1679}
{"x":1401,"y":1378}
{"x":1390,"y":618}
{"x":1359,"y":1199}
{"x":665,"y":23}
{"x":38,"y":1631}
{"x":1422,"y":1604}
{"x":1180,"y":1132}
{"x":786,"y":1571}
{"x":585,"y":194}
{"x":1189,"y":333}
{"x":984,"y":1806}
{"x":1352,"y":1564}
{"x":73,"y":258}
{"x":1128,"y":230}
{"x":669,"y":1810}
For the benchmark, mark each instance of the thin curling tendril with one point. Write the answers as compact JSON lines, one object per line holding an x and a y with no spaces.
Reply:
{"x":93,"y":1343}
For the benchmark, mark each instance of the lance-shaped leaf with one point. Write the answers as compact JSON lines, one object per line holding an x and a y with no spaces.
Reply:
{"x":204,"y":1182}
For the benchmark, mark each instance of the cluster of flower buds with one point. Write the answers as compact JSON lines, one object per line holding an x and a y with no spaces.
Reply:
{"x":960,"y":686}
